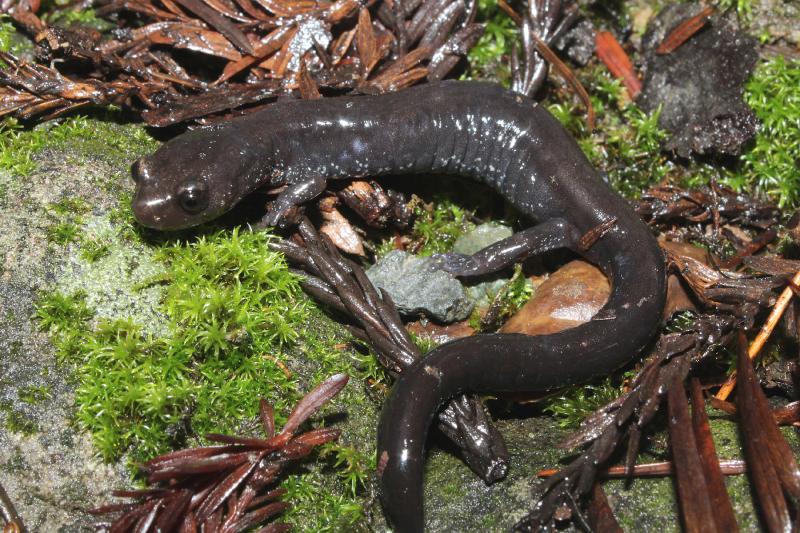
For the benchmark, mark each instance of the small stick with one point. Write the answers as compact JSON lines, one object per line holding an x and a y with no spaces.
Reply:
{"x":568,"y":75}
{"x":729,"y":467}
{"x":763,"y":335}
{"x":9,"y":513}
{"x":510,"y":12}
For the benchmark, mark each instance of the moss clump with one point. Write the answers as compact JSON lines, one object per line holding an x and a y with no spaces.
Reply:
{"x":34,"y":394}
{"x":19,"y":145}
{"x":16,"y":421}
{"x":574,"y":404}
{"x":315,"y":507}
{"x":486,"y":59}
{"x":232,"y":309}
{"x":11,"y":40}
{"x":744,"y":8}
{"x":436,"y":227}
{"x":81,"y":18}
{"x":774,"y":94}
{"x":236,"y":321}
{"x":626,"y":142}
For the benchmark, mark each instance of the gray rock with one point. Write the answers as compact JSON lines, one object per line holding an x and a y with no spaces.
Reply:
{"x":48,"y":466}
{"x":776,"y":18}
{"x":704,"y":113}
{"x":417,"y":286}
{"x":477,"y":239}
{"x":481,"y":237}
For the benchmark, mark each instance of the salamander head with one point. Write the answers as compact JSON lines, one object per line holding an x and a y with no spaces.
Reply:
{"x":192,"y":179}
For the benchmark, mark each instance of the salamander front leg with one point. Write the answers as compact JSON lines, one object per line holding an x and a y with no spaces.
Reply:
{"x":550,"y":235}
{"x":290,"y":198}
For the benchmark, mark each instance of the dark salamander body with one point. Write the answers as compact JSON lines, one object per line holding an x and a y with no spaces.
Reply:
{"x":472,"y":129}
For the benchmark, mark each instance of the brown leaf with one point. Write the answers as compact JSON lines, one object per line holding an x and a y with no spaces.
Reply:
{"x":442,"y":24}
{"x":340,"y":231}
{"x":774,"y":266}
{"x":600,"y":515}
{"x":181,"y":455}
{"x":267,"y":415}
{"x":251,"y":442}
{"x":256,"y":517}
{"x":194,"y":38}
{"x":763,"y":475}
{"x":172,"y":513}
{"x":684,"y":31}
{"x":402,"y":72}
{"x":341,"y":44}
{"x":313,"y":401}
{"x":306,"y":84}
{"x":222,"y":491}
{"x":288,"y":8}
{"x":440,"y":334}
{"x":696,"y":508}
{"x":268,"y":45}
{"x":219,"y":23}
{"x":723,"y":516}
{"x":366,"y":44}
{"x":200,"y":466}
{"x":569,"y":297}
{"x":212,"y":101}
{"x":342,"y":9}
{"x":249,"y":8}
{"x":611,"y":53}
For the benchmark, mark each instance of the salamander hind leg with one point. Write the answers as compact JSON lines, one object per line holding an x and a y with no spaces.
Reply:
{"x":550,"y":235}
{"x":279,"y":213}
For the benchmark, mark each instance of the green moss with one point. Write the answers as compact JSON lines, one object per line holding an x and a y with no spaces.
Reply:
{"x":16,"y":421}
{"x":223,"y":351}
{"x":81,"y":135}
{"x":93,"y":249}
{"x":79,"y":17}
{"x":315,"y":507}
{"x":237,"y":329}
{"x":436,"y":228}
{"x":508,"y":300}
{"x":572,"y":405}
{"x":771,"y":165}
{"x":63,"y":232}
{"x":60,"y":314}
{"x":11,"y":40}
{"x":18,"y":145}
{"x":352,"y":466}
{"x":488,"y":59}
{"x":7,"y":32}
{"x":625,"y":143}
{"x":34,"y":394}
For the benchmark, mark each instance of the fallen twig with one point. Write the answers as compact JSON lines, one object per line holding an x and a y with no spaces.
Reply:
{"x":764,"y":334}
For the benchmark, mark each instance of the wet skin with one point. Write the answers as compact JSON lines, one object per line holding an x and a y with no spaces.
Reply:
{"x":476,"y":130}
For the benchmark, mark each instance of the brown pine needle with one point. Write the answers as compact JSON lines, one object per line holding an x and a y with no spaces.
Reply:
{"x":763,"y":335}
{"x":510,"y":12}
{"x":600,"y":514}
{"x":610,"y":52}
{"x":724,"y":517}
{"x":729,"y":467}
{"x":568,"y":76}
{"x":690,"y":481}
{"x":684,"y":31}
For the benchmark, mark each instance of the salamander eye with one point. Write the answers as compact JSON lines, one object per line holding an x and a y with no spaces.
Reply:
{"x":193,"y":196}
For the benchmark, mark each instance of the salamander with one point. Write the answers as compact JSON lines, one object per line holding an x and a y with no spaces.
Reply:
{"x":476,"y":130}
